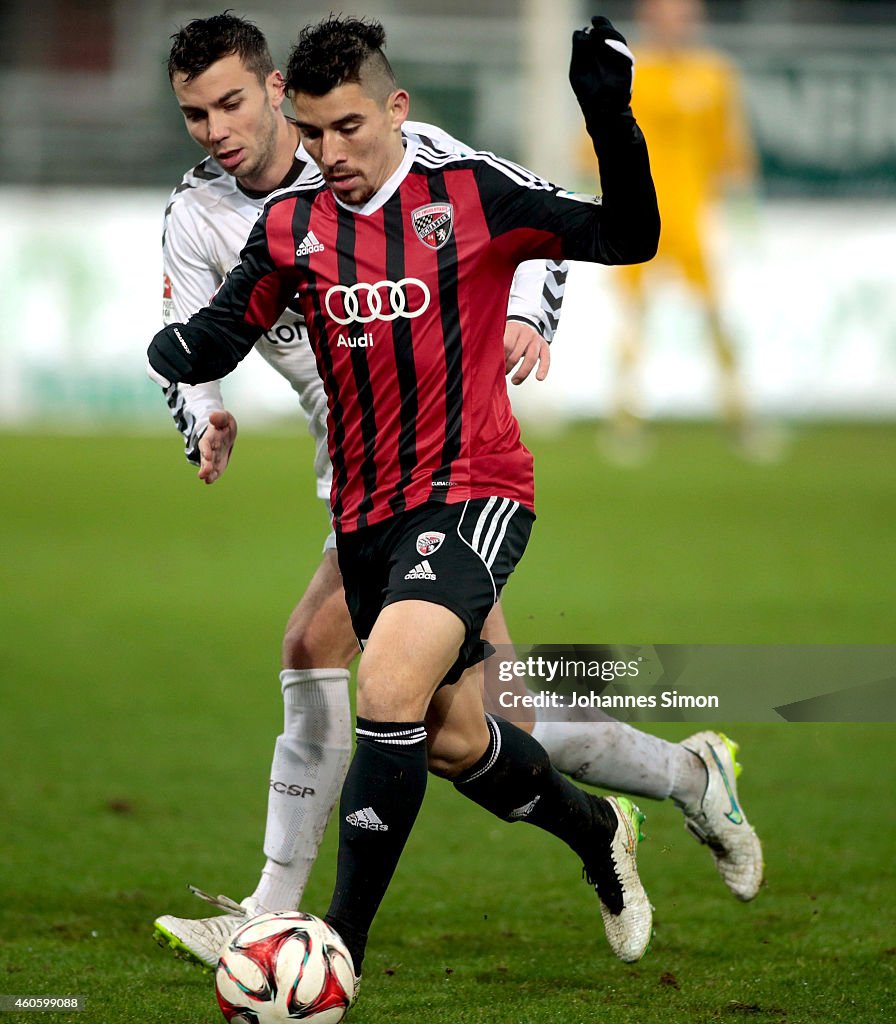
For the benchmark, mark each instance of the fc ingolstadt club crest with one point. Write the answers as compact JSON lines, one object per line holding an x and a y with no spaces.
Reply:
{"x":429,"y":542}
{"x":433,"y":224}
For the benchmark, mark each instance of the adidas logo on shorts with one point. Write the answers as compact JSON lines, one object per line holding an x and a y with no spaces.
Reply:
{"x":367,"y":818}
{"x":421,"y":571}
{"x":309,"y":244}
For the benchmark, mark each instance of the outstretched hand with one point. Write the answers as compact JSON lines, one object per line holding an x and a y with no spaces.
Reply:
{"x":523,"y":345}
{"x":215,"y":445}
{"x":601,"y":69}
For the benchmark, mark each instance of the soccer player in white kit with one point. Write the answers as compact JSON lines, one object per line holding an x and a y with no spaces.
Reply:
{"x":231,"y":96}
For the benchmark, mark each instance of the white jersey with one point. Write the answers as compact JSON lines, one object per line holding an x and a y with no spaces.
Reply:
{"x":207,"y":222}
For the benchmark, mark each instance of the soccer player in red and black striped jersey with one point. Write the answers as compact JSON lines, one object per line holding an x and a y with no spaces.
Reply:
{"x":401,"y":257}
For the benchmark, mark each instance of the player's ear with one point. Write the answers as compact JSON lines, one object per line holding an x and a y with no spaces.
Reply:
{"x":398,"y":105}
{"x":275,"y":88}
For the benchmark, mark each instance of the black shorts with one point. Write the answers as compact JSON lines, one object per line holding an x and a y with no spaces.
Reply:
{"x":459,"y":556}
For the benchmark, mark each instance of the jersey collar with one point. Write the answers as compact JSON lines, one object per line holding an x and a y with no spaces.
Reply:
{"x":299,"y":161}
{"x":292,"y":176}
{"x":389,"y":187}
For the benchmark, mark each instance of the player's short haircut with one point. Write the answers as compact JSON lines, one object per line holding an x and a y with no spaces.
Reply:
{"x":340,"y":50}
{"x":198,"y":45}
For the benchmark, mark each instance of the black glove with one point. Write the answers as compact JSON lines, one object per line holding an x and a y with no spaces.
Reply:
{"x":600,"y":70}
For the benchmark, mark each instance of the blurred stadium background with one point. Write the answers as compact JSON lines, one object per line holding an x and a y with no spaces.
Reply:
{"x":93,"y":144}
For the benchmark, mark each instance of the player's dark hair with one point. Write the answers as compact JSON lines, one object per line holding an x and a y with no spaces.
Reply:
{"x":198,"y":45}
{"x":339,"y":50}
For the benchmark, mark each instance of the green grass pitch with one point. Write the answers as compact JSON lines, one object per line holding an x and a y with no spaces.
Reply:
{"x":139,"y":648}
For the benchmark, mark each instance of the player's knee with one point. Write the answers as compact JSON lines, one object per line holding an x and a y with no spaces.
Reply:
{"x":450,"y":764}
{"x":301,"y":652}
{"x":319,"y":641}
{"x":384,"y":699}
{"x":452,"y":752}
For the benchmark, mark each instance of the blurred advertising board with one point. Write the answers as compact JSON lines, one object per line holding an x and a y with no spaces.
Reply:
{"x":809,"y":291}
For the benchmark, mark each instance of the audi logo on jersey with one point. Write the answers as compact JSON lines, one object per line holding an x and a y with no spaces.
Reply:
{"x":363,"y":303}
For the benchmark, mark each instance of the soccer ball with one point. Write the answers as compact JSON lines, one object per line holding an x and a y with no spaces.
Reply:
{"x":283,"y":967}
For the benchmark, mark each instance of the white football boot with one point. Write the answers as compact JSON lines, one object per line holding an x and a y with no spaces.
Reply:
{"x":200,"y":940}
{"x":624,"y":906}
{"x":719,"y":820}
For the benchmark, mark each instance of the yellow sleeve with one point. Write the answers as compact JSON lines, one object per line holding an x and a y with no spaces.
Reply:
{"x":737,"y":159}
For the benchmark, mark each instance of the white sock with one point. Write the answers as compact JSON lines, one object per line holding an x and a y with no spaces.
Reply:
{"x":310,"y":761}
{"x":618,"y":757}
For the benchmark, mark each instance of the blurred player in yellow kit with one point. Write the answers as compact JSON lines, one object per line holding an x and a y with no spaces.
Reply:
{"x":687,"y":99}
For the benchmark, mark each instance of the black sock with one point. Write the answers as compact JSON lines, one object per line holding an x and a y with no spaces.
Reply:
{"x":380,"y":799}
{"x":515,"y":780}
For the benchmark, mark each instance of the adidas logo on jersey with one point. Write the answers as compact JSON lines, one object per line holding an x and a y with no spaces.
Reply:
{"x":421,"y":571}
{"x":367,"y":818}
{"x":309,"y":245}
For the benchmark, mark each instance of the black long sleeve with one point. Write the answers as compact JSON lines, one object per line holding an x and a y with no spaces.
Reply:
{"x":207,"y":348}
{"x":630,"y":223}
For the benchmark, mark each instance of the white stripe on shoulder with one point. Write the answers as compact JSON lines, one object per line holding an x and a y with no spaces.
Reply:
{"x":435,"y":159}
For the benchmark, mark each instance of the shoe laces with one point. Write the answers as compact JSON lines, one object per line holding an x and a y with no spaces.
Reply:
{"x":220,"y":901}
{"x":604,"y":879}
{"x":601,"y":871}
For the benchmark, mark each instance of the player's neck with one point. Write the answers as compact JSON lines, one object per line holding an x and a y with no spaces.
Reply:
{"x":393,"y":163}
{"x":277,"y":169}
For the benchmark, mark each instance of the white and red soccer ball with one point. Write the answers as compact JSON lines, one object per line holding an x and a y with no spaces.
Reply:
{"x":284,"y":967}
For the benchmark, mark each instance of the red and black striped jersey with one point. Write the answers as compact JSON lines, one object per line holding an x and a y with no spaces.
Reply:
{"x":405,"y":301}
